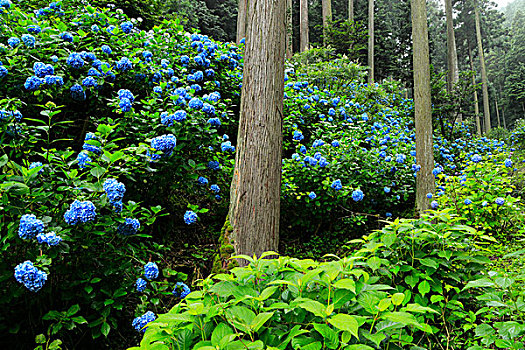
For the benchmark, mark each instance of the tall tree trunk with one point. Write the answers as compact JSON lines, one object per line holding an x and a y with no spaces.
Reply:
{"x":370,"y":41}
{"x":303,"y":19}
{"x":256,"y":184}
{"x":497,"y":113}
{"x":327,"y":17}
{"x":476,"y":102}
{"x":503,"y":117}
{"x":484,"y":81}
{"x":241,"y":20}
{"x":425,"y":181}
{"x":452,"y":56}
{"x":289,"y":29}
{"x":351,"y":10}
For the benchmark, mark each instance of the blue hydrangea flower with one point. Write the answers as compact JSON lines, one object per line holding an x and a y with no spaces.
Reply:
{"x":89,"y":82}
{"x":126,"y":27}
{"x":106,"y":49}
{"x":3,"y":72}
{"x":337,"y":185}
{"x":434,"y":205}
{"x":195,"y":103}
{"x":83,"y":160}
{"x":95,"y":28}
{"x":141,"y":285}
{"x":128,"y":227}
{"x":124,"y":64}
{"x":42,"y":69}
{"x":50,"y":238}
{"x":388,"y":215}
{"x":215,"y":188}
{"x":484,"y":204}
{"x":34,"y":29}
{"x":165,"y":144}
{"x":386,"y":189}
{"x":227,"y":147}
{"x":151,"y":271}
{"x":335,"y":143}
{"x":357,"y":195}
{"x":35,"y":165}
{"x":139,"y":323}
{"x":190,"y":217}
{"x":202,"y":180}
{"x":476,"y":158}
{"x":77,"y":92}
{"x":297,"y":135}
{"x":75,"y":60}
{"x":66,"y":36}
{"x":80,"y":212}
{"x":184,"y":60}
{"x":468,"y":201}
{"x":28,"y":40}
{"x":508,"y":162}
{"x":125,"y":105}
{"x":31,"y":277}
{"x":181,"y":290}
{"x":115,"y":192}
{"x":312,"y":195}
{"x":5,"y":4}
{"x":13,"y":42}
{"x":214,"y":122}
{"x":33,"y":83}
{"x":208,"y":109}
{"x":53,"y":80}
{"x":30,"y":226}
{"x":499,"y":201}
{"x":429,"y":195}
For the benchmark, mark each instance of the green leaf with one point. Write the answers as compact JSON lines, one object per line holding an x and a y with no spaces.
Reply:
{"x":397,"y":299}
{"x":358,"y":347}
{"x":484,"y":330}
{"x":105,"y":328}
{"x":504,"y":282}
{"x":346,"y":283}
{"x":73,"y":310}
{"x":430,"y":263}
{"x":482,"y":282}
{"x":374,"y":338}
{"x":97,"y":171}
{"x":418,"y":308}
{"x":314,"y":307}
{"x":331,"y":340}
{"x":424,"y":288}
{"x":384,"y":304}
{"x":401,"y":317}
{"x":260,"y":320}
{"x":345,"y":323}
{"x":220,"y":332}
{"x":374,"y":263}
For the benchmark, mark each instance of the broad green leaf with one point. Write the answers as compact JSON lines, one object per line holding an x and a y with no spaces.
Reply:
{"x":346,"y":283}
{"x":331,"y":340}
{"x":220,"y":332}
{"x":374,"y":263}
{"x":260,"y":320}
{"x":345,"y":323}
{"x":313,"y":306}
{"x":424,"y":288}
{"x":482,"y":282}
{"x":418,"y":308}
{"x":397,"y":299}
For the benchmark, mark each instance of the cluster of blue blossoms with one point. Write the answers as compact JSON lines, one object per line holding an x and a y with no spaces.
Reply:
{"x":50,"y":238}
{"x":80,"y":212}
{"x":115,"y":192}
{"x":31,"y":277}
{"x":190,"y":217}
{"x":181,"y":290}
{"x":30,"y":226}
{"x":164,"y":144}
{"x":128,"y":227}
{"x":140,"y":323}
{"x":126,"y":99}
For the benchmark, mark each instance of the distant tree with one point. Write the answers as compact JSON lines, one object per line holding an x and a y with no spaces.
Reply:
{"x":371,"y":42}
{"x":484,"y":80}
{"x":515,"y":67}
{"x":425,"y":182}
{"x":256,"y":184}
{"x":241,"y":20}
{"x":452,"y":56}
{"x":303,"y":26}
{"x":289,"y":29}
{"x":327,"y":15}
{"x":351,"y":10}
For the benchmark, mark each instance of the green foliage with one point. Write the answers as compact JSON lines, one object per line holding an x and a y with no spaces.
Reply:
{"x":347,"y":38}
{"x":481,"y":184}
{"x":289,"y":303}
{"x":499,"y":133}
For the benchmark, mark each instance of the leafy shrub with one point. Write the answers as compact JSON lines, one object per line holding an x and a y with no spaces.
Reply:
{"x":288,"y":303}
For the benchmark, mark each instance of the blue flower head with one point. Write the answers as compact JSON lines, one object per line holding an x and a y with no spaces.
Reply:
{"x":202,"y":180}
{"x":215,"y":188}
{"x":66,"y":36}
{"x":141,"y":285}
{"x":139,"y":323}
{"x":181,"y":290}
{"x":190,"y":217}
{"x":75,"y":60}
{"x":337,"y":185}
{"x":33,"y":83}
{"x":151,"y":271}
{"x":128,"y":227}
{"x":298,"y":135}
{"x":83,"y":160}
{"x":28,"y":40}
{"x":468,"y":201}
{"x":80,"y":212}
{"x":35,"y":165}
{"x":114,"y":190}
{"x":13,"y":42}
{"x":434,"y":205}
{"x":50,"y":238}
{"x":508,"y":162}
{"x":30,"y":226}
{"x":126,"y":27}
{"x":312,"y":195}
{"x":165,"y":144}
{"x":357,"y":195}
{"x":499,"y":201}
{"x":31,"y":277}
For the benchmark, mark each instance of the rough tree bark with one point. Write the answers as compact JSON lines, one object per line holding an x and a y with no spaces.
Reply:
{"x":289,"y":29}
{"x":476,"y":102}
{"x":241,"y":20}
{"x":425,"y":182}
{"x":370,"y":41}
{"x":484,"y":80}
{"x":256,"y":184}
{"x":303,"y":25}
{"x":452,"y":56}
{"x":497,"y":113}
{"x":351,"y":10}
{"x":327,"y":17}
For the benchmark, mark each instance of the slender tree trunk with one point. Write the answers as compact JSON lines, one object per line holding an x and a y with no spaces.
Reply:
{"x":327,"y":17}
{"x":484,"y":81}
{"x":452,"y":56}
{"x":289,"y":30}
{"x":351,"y":10}
{"x":497,"y":113}
{"x":371,"y":41}
{"x":503,"y":117}
{"x":303,"y":19}
{"x":476,"y":102}
{"x":425,"y":181}
{"x":241,"y":20}
{"x":256,"y":184}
